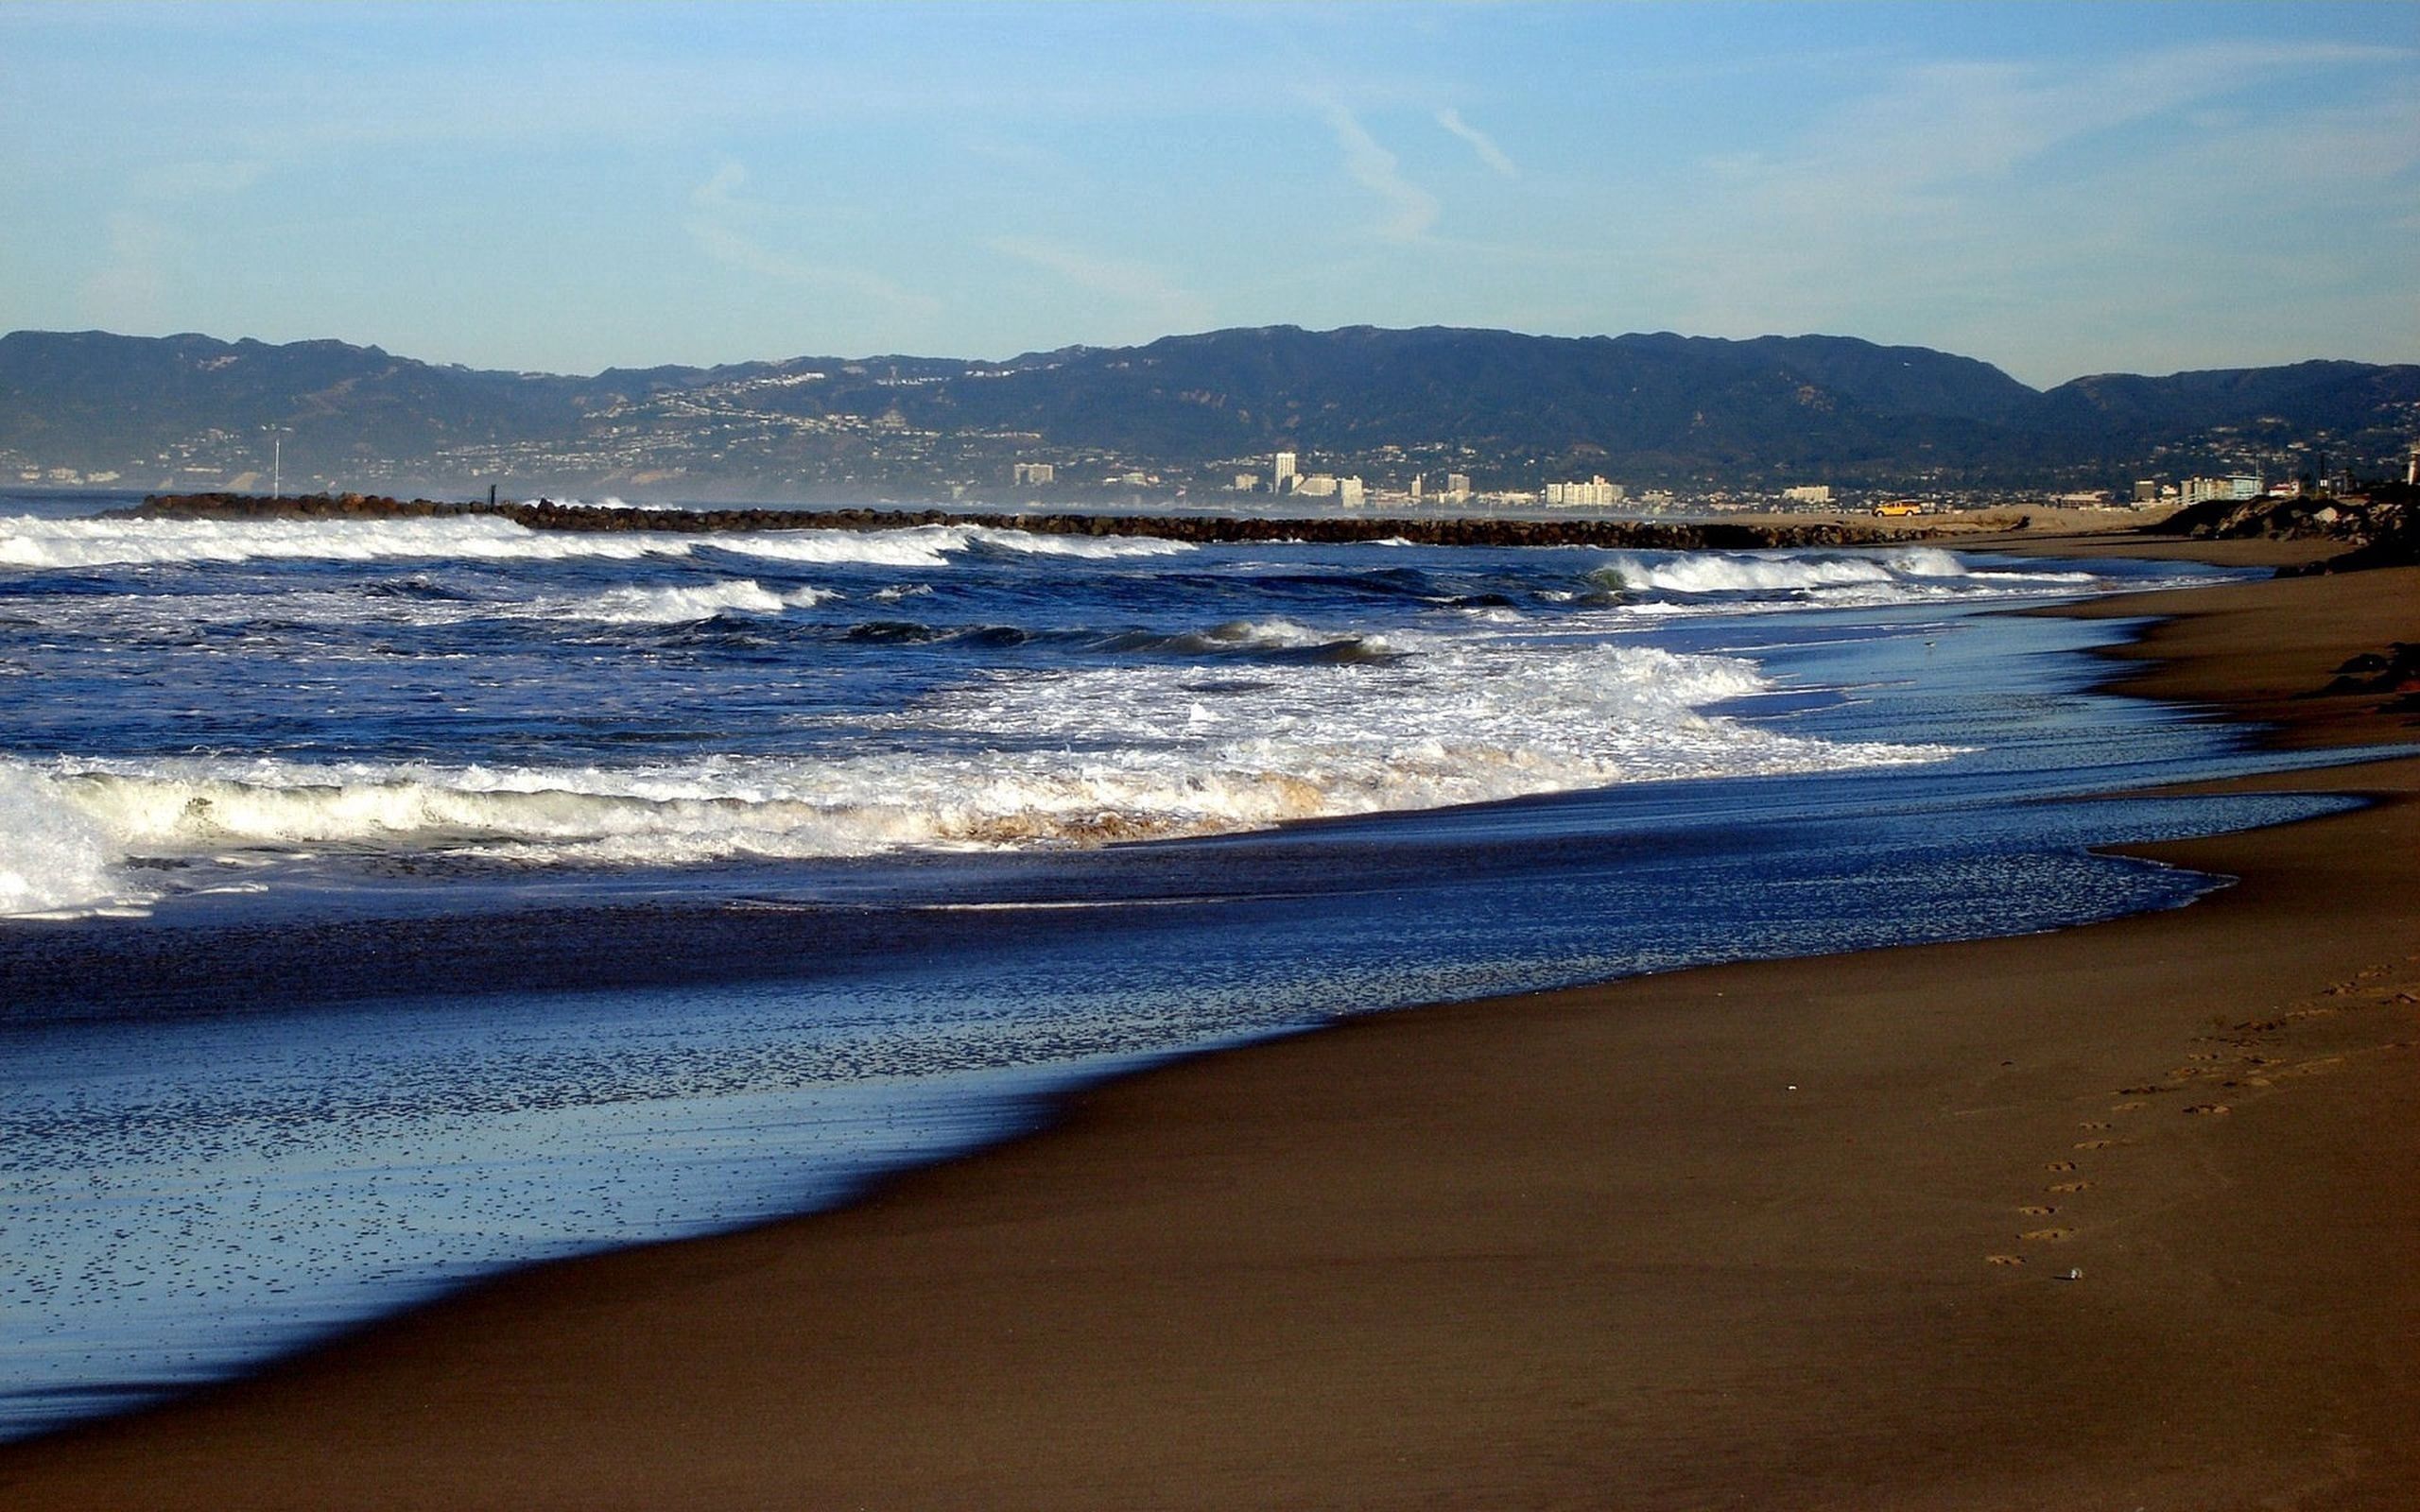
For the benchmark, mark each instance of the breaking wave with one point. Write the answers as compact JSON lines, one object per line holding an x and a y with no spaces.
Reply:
{"x":1917,"y":572}
{"x":1139,"y":749}
{"x":34,"y":543}
{"x":676,"y":604}
{"x":1091,"y":548}
{"x":920,"y":546}
{"x":54,"y":855}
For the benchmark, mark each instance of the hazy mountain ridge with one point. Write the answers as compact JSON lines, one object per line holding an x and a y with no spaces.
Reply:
{"x":1510,"y":409}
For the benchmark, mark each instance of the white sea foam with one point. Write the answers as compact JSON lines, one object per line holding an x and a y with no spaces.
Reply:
{"x":33,"y":542}
{"x":1280,"y":634}
{"x":932,"y":545}
{"x":917,"y":546}
{"x":674,"y":604}
{"x":88,"y":542}
{"x":1092,"y":549}
{"x":54,"y":856}
{"x":135,"y":615}
{"x":1920,"y":571}
{"x":1140,"y":749}
{"x":612,"y":502}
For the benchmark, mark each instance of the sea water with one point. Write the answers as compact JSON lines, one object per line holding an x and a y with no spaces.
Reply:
{"x":387,"y":902}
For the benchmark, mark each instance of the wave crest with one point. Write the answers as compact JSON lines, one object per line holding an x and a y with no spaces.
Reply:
{"x":1912,"y":573}
{"x":54,"y":856}
{"x":28,"y":542}
{"x":1130,"y":750}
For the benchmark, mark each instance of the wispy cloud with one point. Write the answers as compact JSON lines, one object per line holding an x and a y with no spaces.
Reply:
{"x":1157,"y":301}
{"x":1944,"y":126}
{"x":717,"y":206}
{"x":1410,"y":211}
{"x":150,"y":237}
{"x":128,"y":289}
{"x":205,"y":179}
{"x":720,"y":191}
{"x":2006,"y":207}
{"x":1481,"y":142}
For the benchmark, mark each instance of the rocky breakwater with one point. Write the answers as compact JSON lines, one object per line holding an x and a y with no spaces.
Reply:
{"x":2380,"y":528}
{"x":543,"y":514}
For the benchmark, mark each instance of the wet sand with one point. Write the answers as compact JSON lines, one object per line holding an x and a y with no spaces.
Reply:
{"x":1790,"y":1234}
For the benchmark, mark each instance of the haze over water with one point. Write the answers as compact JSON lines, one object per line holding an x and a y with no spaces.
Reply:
{"x":390,"y":901}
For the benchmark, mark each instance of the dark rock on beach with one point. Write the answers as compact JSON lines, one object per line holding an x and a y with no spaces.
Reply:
{"x":2394,"y":672}
{"x":2382,"y":527}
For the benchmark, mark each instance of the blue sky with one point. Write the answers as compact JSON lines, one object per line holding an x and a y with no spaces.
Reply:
{"x":2058,"y":189}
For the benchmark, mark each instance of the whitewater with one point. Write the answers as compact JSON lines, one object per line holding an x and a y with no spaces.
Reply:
{"x":387,"y":901}
{"x":1061,"y":691}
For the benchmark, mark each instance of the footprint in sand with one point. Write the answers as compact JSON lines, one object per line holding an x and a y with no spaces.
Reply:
{"x":2070,"y":1186}
{"x":2209,"y":1107}
{"x":2060,"y":1165}
{"x":2125,"y":1108}
{"x":2036,"y":1209}
{"x":2095,"y":1124}
{"x":2049,"y":1235}
{"x":2094,"y":1145}
{"x":2004,"y":1259}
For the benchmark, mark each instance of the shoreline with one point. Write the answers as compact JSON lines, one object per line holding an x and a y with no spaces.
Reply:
{"x":1528,"y":1250}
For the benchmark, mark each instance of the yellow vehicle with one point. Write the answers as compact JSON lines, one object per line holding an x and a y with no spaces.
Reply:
{"x":1899,"y":507}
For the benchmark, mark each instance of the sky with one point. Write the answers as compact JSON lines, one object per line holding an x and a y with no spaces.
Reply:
{"x":2059,"y":189}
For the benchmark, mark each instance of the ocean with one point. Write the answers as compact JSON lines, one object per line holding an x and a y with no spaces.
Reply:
{"x":387,"y":903}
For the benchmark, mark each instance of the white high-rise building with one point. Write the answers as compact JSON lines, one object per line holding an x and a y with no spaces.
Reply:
{"x":1281,"y":473}
{"x":2239,"y":486}
{"x":1594,"y":494}
{"x":1348,"y":493}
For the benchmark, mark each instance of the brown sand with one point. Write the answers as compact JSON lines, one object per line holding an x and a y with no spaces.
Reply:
{"x":1778,"y":1235}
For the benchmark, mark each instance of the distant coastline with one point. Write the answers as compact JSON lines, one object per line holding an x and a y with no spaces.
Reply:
{"x":1237,"y":420}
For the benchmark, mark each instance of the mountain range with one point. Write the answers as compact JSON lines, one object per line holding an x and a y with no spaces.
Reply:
{"x":1691,"y":413}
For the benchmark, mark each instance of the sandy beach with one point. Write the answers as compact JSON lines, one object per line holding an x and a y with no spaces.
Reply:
{"x":2121,"y":1216}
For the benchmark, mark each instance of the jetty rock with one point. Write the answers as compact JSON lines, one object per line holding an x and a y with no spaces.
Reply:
{"x":547,"y":514}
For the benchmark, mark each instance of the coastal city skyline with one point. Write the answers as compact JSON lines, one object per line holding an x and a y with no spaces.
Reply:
{"x":2056,"y":191}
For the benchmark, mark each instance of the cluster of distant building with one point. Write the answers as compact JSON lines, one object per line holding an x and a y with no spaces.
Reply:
{"x":2236,"y":487}
{"x":1285,"y":476}
{"x":64,"y":475}
{"x":1594,"y":494}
